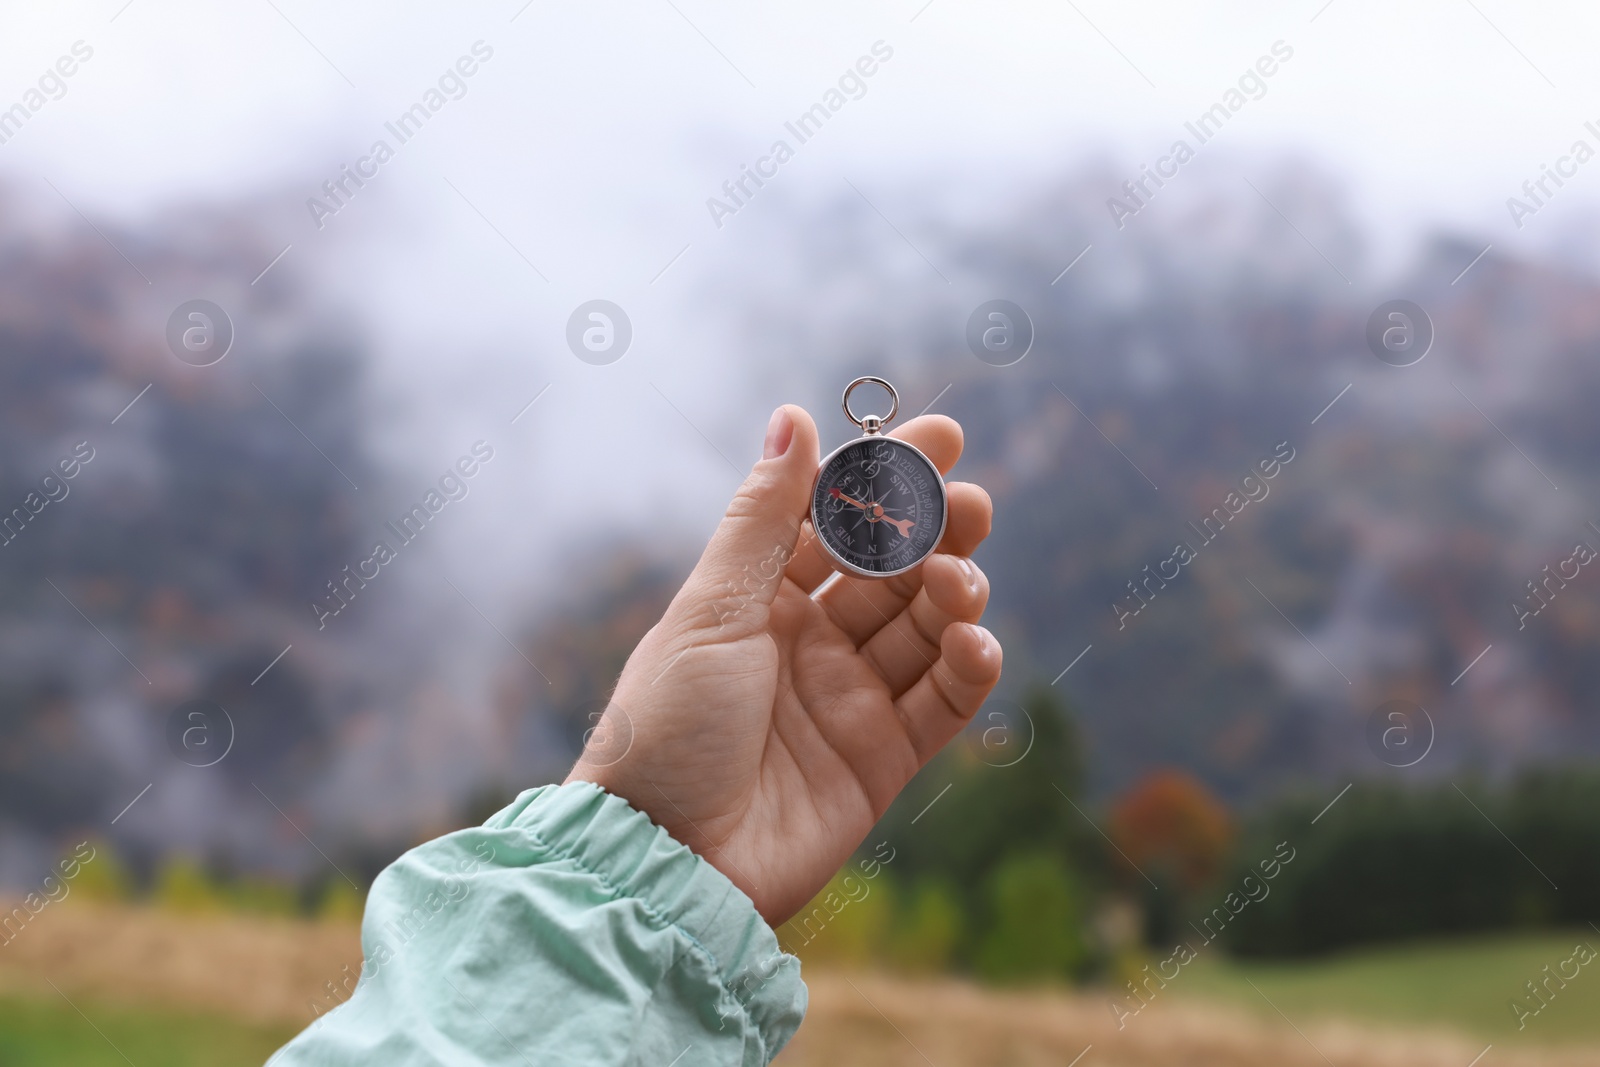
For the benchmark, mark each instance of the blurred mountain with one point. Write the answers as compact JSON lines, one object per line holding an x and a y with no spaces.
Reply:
{"x":1182,"y":352}
{"x":165,"y":526}
{"x":1409,"y":509}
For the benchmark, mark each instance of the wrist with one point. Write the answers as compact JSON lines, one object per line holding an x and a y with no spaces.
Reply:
{"x":584,"y":772}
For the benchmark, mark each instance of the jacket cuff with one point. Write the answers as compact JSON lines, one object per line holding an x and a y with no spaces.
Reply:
{"x":637,"y":859}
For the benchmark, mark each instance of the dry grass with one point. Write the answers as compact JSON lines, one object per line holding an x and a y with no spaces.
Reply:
{"x":890,"y":1022}
{"x":254,"y":969}
{"x":266,"y":971}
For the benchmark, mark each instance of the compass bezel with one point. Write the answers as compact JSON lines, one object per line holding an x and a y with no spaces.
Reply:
{"x":834,"y":557}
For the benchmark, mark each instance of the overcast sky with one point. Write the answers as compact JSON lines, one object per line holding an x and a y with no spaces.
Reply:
{"x":605,"y":112}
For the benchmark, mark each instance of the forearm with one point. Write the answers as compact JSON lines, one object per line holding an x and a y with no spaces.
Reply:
{"x":566,"y":929}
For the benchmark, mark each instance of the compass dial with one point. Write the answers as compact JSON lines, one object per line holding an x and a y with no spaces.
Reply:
{"x":878,"y":506}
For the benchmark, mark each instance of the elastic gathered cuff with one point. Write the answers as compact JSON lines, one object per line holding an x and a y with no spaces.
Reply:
{"x":619,"y":845}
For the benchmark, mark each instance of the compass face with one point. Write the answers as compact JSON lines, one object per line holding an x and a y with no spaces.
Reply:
{"x":878,"y":506}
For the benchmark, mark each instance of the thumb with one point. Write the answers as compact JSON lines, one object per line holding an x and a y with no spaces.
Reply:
{"x":740,"y":571}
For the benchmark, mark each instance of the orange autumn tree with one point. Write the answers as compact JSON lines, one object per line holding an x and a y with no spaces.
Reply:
{"x":1170,"y":822}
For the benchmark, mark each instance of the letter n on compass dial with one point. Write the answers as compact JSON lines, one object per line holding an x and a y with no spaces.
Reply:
{"x":879,"y":507}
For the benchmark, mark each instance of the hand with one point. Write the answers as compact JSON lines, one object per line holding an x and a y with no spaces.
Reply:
{"x":768,"y":729}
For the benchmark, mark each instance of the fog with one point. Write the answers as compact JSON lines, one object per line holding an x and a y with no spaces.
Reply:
{"x":578,"y":161}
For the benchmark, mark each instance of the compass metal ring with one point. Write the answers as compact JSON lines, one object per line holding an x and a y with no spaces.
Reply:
{"x":894,"y":402}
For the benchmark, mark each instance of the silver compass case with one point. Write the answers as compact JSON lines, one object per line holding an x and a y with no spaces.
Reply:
{"x":879,"y":505}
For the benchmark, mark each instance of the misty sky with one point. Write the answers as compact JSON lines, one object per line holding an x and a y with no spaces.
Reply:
{"x":608,"y":113}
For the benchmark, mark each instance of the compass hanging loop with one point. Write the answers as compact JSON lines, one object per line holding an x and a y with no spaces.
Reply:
{"x":871,"y":424}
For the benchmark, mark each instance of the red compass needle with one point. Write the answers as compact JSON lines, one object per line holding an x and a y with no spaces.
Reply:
{"x":838,"y":494}
{"x":903,"y":525}
{"x":874,"y":512}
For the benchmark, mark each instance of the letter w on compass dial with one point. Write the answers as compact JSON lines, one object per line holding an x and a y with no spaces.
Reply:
{"x":879,"y":507}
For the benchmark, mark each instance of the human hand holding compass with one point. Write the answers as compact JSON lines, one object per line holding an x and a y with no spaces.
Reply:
{"x":770,"y":721}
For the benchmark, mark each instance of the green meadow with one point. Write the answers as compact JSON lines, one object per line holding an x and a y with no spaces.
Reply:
{"x":1465,"y":984}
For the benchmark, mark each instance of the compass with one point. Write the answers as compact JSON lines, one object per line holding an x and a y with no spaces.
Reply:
{"x":879,"y":505}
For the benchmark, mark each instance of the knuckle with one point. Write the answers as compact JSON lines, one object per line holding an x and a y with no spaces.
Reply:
{"x":926,"y":630}
{"x":748,"y":500}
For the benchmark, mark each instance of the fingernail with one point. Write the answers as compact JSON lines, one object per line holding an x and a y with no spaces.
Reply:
{"x":969,"y":573}
{"x":780,"y":431}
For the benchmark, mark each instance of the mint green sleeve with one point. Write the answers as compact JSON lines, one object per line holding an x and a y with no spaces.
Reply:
{"x":568,"y":929}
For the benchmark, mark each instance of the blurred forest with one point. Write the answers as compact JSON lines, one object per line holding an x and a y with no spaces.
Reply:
{"x":1396,"y":542}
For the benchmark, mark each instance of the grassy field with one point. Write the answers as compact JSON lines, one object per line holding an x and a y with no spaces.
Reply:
{"x":1465,"y":985}
{"x":155,"y":989}
{"x":34,"y":1030}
